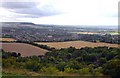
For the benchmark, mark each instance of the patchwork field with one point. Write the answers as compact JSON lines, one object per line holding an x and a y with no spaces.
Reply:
{"x":24,"y":49}
{"x":7,"y":39}
{"x":76,"y":44}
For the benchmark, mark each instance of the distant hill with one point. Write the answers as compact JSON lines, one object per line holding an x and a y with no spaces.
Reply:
{"x":27,"y":23}
{"x":23,"y":23}
{"x":16,"y":24}
{"x":30,"y":24}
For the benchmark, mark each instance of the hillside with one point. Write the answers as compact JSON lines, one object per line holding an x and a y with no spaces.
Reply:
{"x":98,"y":61}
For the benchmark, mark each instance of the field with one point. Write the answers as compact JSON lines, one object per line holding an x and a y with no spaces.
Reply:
{"x":85,"y":33}
{"x":24,"y":49}
{"x":7,"y":39}
{"x":76,"y":44}
{"x":114,"y":33}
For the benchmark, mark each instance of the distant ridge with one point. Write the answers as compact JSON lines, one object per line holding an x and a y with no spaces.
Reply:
{"x":17,"y":23}
{"x":27,"y":23}
{"x":53,"y":25}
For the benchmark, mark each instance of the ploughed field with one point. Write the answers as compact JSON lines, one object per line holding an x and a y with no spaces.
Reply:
{"x":76,"y":44}
{"x":23,"y":49}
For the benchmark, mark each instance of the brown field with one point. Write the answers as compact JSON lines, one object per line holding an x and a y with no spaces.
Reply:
{"x":76,"y":44}
{"x":24,"y":49}
{"x":7,"y":39}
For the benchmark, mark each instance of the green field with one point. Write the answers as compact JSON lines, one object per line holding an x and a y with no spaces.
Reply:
{"x":114,"y":33}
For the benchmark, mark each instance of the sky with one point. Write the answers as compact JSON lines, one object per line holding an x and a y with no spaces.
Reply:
{"x":60,"y":12}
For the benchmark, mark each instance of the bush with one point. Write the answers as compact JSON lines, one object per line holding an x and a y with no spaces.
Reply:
{"x":49,"y":70}
{"x":84,"y":71}
{"x":70,"y":70}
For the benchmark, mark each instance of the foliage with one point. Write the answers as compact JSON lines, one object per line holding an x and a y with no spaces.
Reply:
{"x":96,"y":61}
{"x":112,"y":67}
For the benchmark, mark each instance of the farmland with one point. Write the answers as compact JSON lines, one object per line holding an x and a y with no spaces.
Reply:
{"x":76,"y":44}
{"x":85,"y":32}
{"x":7,"y":39}
{"x":33,"y":50}
{"x":53,"y":33}
{"x":114,"y":33}
{"x":24,"y":49}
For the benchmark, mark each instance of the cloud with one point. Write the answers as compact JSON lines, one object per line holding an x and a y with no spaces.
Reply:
{"x":35,"y":11}
{"x":99,"y":12}
{"x":18,"y":5}
{"x":31,"y":8}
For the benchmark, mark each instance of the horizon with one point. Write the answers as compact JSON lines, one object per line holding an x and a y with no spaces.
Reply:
{"x":76,"y":26}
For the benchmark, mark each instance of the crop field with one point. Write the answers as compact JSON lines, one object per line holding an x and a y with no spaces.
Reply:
{"x":24,"y":49}
{"x":76,"y":44}
{"x":85,"y":33}
{"x":7,"y":39}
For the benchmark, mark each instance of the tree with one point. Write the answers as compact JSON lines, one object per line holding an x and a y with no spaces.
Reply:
{"x":69,"y":70}
{"x":14,"y":54}
{"x":89,"y":57}
{"x":61,"y":66}
{"x":112,"y":68}
{"x":84,"y":71}
{"x":33,"y":65}
{"x":71,"y":49}
{"x":49,"y":70}
{"x":19,"y":54}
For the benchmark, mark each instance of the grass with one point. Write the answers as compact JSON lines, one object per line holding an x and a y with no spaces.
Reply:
{"x":114,"y":33}
{"x":15,"y":72}
{"x":18,"y":72}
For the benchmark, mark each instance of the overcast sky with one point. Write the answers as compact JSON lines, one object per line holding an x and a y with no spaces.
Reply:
{"x":62,"y":12}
